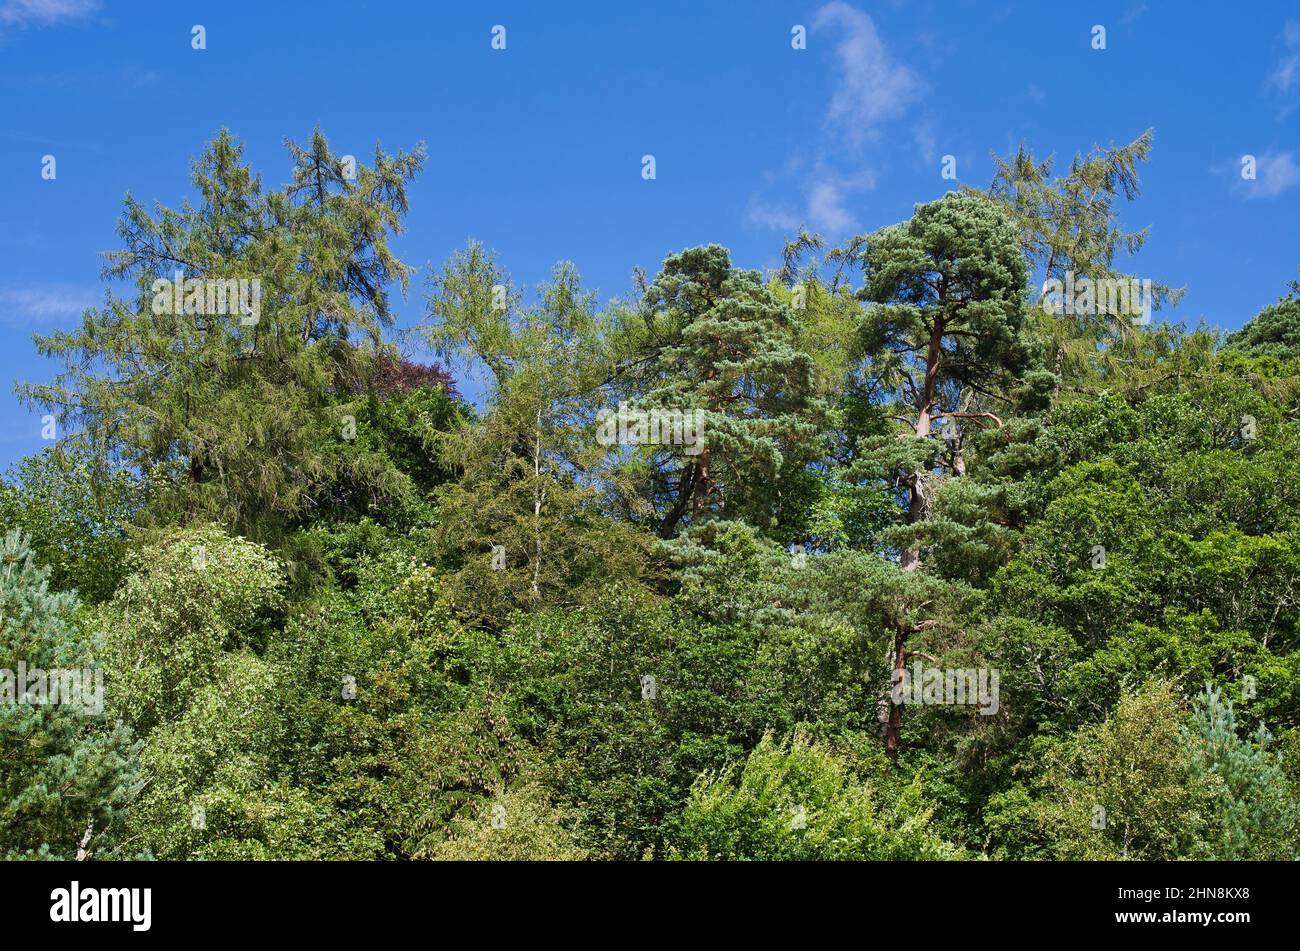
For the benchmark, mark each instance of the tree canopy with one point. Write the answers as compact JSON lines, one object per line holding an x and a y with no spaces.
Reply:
{"x":870,"y":556}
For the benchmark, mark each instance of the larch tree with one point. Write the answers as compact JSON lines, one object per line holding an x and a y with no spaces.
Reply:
{"x":231,"y":373}
{"x":523,"y":522}
{"x":1069,"y":225}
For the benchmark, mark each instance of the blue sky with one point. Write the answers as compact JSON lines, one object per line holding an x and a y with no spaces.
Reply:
{"x":536,"y":150}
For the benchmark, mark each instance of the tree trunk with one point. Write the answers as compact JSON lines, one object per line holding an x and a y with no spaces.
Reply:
{"x":685,"y":492}
{"x":917,"y":511}
{"x":703,"y":480}
{"x":702,"y":483}
{"x":894,"y":725}
{"x":537,"y":508}
{"x":910,"y":557}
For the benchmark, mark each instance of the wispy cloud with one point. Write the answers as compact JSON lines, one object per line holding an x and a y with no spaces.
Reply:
{"x":1287,"y":72}
{"x":124,"y":78}
{"x":1275,"y":172}
{"x":825,"y":204}
{"x":926,"y":142}
{"x":870,"y":87}
{"x":1134,"y":12}
{"x":775,"y":217}
{"x":24,"y":306}
{"x":45,"y":12}
{"x":827,"y":211}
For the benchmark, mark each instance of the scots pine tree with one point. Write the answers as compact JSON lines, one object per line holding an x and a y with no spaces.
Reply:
{"x":712,"y":338}
{"x":1273,"y":332}
{"x":943,"y":325}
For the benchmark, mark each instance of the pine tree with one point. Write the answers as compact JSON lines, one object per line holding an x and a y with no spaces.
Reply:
{"x":944,"y":320}
{"x":712,"y":339}
{"x":1256,"y":818}
{"x":66,"y":775}
{"x":1273,"y":332}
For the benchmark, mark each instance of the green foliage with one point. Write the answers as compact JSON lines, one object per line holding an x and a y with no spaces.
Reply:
{"x":1069,"y":224}
{"x":520,"y":826}
{"x":1127,"y":788}
{"x":1255,"y":808}
{"x":69,"y":772}
{"x":343,"y":615}
{"x":74,"y":515}
{"x":796,"y":800}
{"x":1273,"y":332}
{"x":943,"y":334}
{"x":522,"y":526}
{"x":234,"y":414}
{"x":212,"y":793}
{"x":1152,"y":783}
{"x":712,"y":339}
{"x":192,"y":594}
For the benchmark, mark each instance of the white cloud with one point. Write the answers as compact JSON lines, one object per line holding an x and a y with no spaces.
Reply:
{"x":870,"y":88}
{"x":28,"y":305}
{"x":825,"y":209}
{"x":44,"y":12}
{"x":771,"y":216}
{"x":1287,"y":71}
{"x":926,"y":143}
{"x":1274,"y":173}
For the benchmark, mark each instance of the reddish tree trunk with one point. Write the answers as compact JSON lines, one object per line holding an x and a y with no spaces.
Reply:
{"x":894,"y":725}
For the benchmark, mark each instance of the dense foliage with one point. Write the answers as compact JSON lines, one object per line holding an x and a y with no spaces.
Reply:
{"x":891,"y":562}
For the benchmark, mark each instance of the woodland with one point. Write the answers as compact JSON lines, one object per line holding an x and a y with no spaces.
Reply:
{"x":343,"y":611}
